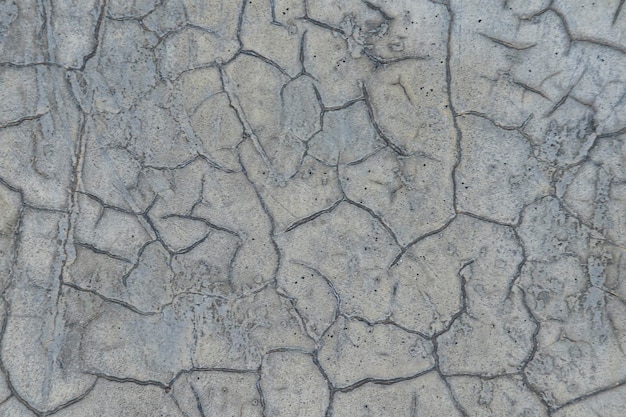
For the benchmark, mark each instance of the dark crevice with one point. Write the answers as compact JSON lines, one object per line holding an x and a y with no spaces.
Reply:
{"x":589,"y":395}
{"x":98,"y":34}
{"x":376,"y":216}
{"x":618,"y":11}
{"x":124,"y":380}
{"x":508,"y":44}
{"x":73,"y":400}
{"x":99,"y":251}
{"x":382,"y":381}
{"x":265,"y":60}
{"x":22,"y":120}
{"x":422,"y":237}
{"x":313,"y":216}
{"x":381,"y":134}
{"x":111,"y":300}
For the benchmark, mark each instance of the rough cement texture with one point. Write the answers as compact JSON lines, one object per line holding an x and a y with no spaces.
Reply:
{"x":313,"y":208}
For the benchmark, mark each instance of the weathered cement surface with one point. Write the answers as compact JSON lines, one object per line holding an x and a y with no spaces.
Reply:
{"x":324,"y":208}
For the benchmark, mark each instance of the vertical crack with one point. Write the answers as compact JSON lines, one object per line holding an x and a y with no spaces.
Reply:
{"x":618,"y":11}
{"x":260,"y":391}
{"x":381,"y":134}
{"x":236,"y":106}
{"x":457,"y":129}
{"x":198,"y":401}
{"x":97,"y":35}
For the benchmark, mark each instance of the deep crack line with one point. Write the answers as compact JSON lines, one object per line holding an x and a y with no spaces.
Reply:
{"x":236,"y":106}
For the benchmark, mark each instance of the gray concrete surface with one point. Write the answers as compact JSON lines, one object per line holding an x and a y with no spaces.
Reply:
{"x":339,"y":208}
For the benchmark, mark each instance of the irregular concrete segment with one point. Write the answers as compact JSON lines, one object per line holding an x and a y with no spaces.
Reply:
{"x":505,"y":396}
{"x":13,"y":407}
{"x":411,"y":194}
{"x":354,"y":351}
{"x":39,"y":350}
{"x":609,"y":402}
{"x":217,"y":393}
{"x":467,"y":266}
{"x":353,"y":249}
{"x":498,"y":175}
{"x":293,"y":386}
{"x":115,"y":398}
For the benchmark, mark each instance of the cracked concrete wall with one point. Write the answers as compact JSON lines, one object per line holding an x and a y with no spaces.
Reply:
{"x":313,"y":208}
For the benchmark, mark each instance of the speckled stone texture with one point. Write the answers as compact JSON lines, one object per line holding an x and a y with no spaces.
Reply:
{"x":313,"y":208}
